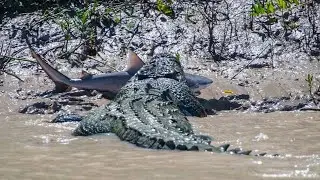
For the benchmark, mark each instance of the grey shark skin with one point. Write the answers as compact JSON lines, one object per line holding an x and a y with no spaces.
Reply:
{"x":110,"y":83}
{"x":197,"y":82}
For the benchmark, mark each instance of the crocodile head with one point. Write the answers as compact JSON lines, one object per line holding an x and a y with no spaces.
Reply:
{"x":162,"y":66}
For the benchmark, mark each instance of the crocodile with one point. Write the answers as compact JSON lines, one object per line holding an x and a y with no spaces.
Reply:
{"x":150,"y":111}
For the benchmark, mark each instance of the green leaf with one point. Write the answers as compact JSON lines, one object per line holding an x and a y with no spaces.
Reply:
{"x":309,"y":79}
{"x":261,"y":9}
{"x":85,"y":16}
{"x":165,"y":7}
{"x":254,"y":14}
{"x":309,"y":76}
{"x":254,"y":10}
{"x":46,"y":13}
{"x":117,"y":20}
{"x":258,"y":9}
{"x":67,"y":36}
{"x":282,"y":4}
{"x":95,"y":5}
{"x":64,"y":25}
{"x":107,"y":11}
{"x":178,"y":57}
{"x":270,"y":7}
{"x":92,"y":37}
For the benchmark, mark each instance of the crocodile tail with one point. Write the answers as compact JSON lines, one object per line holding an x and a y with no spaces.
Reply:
{"x":156,"y":141}
{"x":187,"y":143}
{"x":238,"y":151}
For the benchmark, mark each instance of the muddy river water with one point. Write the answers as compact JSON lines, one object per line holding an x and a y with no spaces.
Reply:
{"x":31,"y":148}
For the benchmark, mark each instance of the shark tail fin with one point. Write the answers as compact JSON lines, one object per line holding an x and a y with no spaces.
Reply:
{"x":134,"y":63}
{"x":60,"y":80}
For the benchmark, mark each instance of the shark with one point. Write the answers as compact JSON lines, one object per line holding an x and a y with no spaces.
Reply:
{"x":109,"y":83}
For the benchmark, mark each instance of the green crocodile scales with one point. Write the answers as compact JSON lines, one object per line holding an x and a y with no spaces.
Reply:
{"x":150,"y":111}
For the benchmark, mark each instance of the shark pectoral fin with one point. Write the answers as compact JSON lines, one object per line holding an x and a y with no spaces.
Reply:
{"x":134,"y":63}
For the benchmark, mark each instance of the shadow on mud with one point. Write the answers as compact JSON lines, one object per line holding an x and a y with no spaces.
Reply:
{"x":242,"y":102}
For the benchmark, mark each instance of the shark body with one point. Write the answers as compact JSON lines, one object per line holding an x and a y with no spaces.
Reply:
{"x":109,"y":83}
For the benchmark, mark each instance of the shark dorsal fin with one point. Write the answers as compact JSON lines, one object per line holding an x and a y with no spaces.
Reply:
{"x":85,"y":75}
{"x":134,"y":63}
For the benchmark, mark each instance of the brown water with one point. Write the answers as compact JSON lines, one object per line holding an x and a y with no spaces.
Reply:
{"x":31,"y":148}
